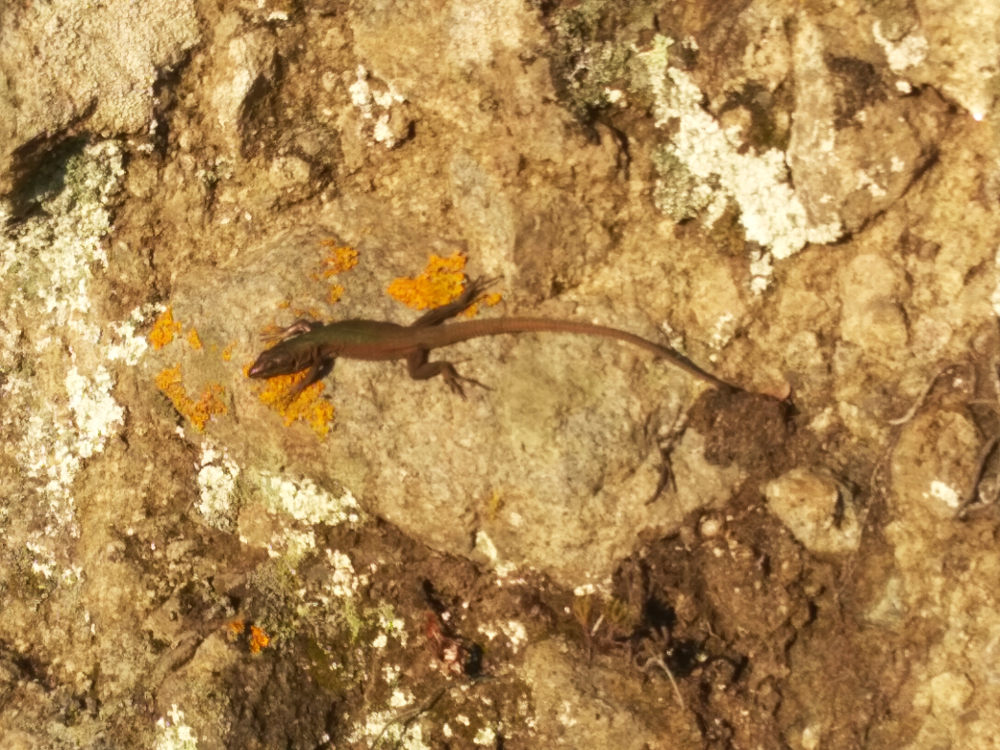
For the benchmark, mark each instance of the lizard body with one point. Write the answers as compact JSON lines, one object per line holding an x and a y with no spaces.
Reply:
{"x":315,"y":346}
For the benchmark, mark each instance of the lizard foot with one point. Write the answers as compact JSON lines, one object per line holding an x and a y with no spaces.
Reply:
{"x":479,"y":285}
{"x":299,"y":326}
{"x":454,"y":381}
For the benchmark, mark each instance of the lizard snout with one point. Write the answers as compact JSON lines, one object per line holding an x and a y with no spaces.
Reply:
{"x":258,"y":369}
{"x":271,"y":363}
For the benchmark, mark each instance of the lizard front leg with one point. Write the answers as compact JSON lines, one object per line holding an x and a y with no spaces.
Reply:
{"x":420,"y":369}
{"x":317,"y":371}
{"x":302,"y":325}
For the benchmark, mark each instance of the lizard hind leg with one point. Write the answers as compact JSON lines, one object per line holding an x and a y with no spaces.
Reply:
{"x":468,"y":298}
{"x":420,"y":369}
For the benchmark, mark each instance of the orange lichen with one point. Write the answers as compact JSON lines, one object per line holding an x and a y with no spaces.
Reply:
{"x":487,"y":299}
{"x":307,"y":405}
{"x":493,"y":505}
{"x":198,"y":412}
{"x":164,"y":329}
{"x":439,"y":283}
{"x":227,"y":353}
{"x":193,"y":340}
{"x":258,"y":639}
{"x":233,"y":629}
{"x":340,"y":258}
{"x":320,"y":417}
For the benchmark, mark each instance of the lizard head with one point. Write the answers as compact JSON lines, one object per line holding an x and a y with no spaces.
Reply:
{"x":279,"y":360}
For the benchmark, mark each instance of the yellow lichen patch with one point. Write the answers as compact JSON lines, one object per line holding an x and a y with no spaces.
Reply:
{"x":227,"y":353}
{"x":307,"y":406}
{"x":234,"y":628}
{"x":438,"y":284}
{"x":493,"y":505}
{"x":320,"y":417}
{"x":164,"y":329}
{"x":339,"y":258}
{"x":489,"y":300}
{"x":193,"y":339}
{"x":198,"y":412}
{"x":209,"y":403}
{"x":258,"y":639}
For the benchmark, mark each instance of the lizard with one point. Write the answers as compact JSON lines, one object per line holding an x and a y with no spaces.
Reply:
{"x":313,"y":345}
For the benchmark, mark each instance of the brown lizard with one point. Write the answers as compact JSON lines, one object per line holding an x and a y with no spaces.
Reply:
{"x":314,"y":346}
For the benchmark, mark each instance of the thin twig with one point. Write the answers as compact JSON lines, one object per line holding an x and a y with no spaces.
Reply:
{"x":405,"y":718}
{"x":597,"y":624}
{"x":921,"y":398}
{"x":977,"y":477}
{"x":657,"y":661}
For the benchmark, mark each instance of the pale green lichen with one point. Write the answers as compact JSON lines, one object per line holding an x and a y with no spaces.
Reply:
{"x":710,"y":167}
{"x":945,"y":493}
{"x":487,"y":549}
{"x":58,"y":410}
{"x":172,"y":733}
{"x":374,"y":105}
{"x":45,"y":564}
{"x":343,"y":582}
{"x":702,"y":169}
{"x":96,"y":415}
{"x":304,"y":501}
{"x":223,"y":488}
{"x":384,"y":728}
{"x":591,"y":68}
{"x":905,"y":53}
{"x":217,"y":475}
{"x":486,"y":737}
{"x":390,"y":624}
{"x":124,"y":343}
{"x":514,"y":631}
{"x":295,"y":505}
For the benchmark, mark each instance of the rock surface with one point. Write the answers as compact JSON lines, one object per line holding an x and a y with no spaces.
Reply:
{"x":594,"y":549}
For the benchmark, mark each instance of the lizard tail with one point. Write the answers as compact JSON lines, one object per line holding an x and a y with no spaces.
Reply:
{"x":470,"y":329}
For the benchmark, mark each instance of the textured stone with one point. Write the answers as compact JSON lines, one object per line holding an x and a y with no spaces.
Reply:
{"x":817,"y":510}
{"x":807,"y":205}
